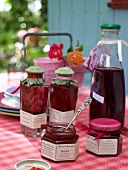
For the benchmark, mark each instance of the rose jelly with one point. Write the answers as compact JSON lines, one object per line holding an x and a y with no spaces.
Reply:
{"x":63,"y":96}
{"x":103,"y":138}
{"x":33,"y":102}
{"x":58,"y":143}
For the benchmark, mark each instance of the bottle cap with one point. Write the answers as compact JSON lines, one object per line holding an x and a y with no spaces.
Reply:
{"x":105,"y":124}
{"x":35,"y":69}
{"x":110,"y":26}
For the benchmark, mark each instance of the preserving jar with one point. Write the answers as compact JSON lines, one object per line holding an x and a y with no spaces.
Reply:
{"x":58,"y":143}
{"x":33,"y":102}
{"x":103,"y":138}
{"x":63,"y":96}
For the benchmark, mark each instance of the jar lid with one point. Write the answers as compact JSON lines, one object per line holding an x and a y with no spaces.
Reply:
{"x":105,"y":124}
{"x":64,"y":71}
{"x":110,"y":26}
{"x":35,"y":69}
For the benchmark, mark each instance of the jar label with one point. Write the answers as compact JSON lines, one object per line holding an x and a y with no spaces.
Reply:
{"x":32,"y":121}
{"x":59,"y":152}
{"x":98,"y":97}
{"x":58,"y":116}
{"x":101,"y":146}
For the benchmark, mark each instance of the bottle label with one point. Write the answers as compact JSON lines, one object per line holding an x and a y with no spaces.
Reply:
{"x":101,"y":146}
{"x":98,"y":97}
{"x":59,"y":152}
{"x":58,"y":116}
{"x":32,"y":121}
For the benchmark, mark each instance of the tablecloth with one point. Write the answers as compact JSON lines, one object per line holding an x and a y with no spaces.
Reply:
{"x":15,"y":146}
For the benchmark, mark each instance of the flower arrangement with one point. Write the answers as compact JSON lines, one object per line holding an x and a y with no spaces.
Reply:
{"x":75,"y":58}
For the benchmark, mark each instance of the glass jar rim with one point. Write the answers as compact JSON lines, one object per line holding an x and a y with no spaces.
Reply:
{"x":57,"y":129}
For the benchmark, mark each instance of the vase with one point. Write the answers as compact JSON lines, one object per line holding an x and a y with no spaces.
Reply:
{"x":50,"y":66}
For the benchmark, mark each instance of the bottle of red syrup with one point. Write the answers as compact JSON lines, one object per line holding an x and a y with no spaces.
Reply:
{"x":33,"y":102}
{"x":63,"y":96}
{"x":108,"y":82}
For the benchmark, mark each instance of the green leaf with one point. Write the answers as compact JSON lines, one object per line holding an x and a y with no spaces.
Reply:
{"x":70,"y":49}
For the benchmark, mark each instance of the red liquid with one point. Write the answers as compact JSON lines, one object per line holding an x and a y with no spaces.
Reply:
{"x":63,"y":98}
{"x":34,"y":98}
{"x":110,"y":84}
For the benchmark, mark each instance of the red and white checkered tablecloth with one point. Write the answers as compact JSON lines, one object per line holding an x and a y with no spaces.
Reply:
{"x":15,"y":146}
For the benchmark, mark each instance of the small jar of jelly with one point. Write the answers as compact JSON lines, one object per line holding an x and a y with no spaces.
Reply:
{"x":103,"y":138}
{"x":33,"y":102}
{"x":58,"y":143}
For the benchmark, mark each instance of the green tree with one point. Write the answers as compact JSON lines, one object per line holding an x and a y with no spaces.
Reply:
{"x":18,"y":17}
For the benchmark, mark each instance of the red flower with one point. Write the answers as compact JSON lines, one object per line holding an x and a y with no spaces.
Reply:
{"x":56,"y":51}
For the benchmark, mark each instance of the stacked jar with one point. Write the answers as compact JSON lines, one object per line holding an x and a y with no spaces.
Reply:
{"x":58,"y":142}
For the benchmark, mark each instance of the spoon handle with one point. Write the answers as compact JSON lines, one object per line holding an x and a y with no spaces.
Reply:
{"x":83,"y":105}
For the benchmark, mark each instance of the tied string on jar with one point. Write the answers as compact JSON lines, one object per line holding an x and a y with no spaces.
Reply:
{"x":30,"y":80}
{"x":95,"y":55}
{"x":99,"y":134}
{"x":35,"y":77}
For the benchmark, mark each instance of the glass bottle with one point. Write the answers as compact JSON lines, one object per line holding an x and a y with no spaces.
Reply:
{"x":108,"y":87}
{"x":63,"y":96}
{"x":110,"y":37}
{"x":33,"y":102}
{"x":103,"y":138}
{"x":59,"y":143}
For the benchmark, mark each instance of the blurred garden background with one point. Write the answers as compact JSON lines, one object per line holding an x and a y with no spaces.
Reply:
{"x":17,"y":18}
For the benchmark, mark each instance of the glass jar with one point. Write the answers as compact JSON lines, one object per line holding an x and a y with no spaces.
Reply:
{"x":59,"y":143}
{"x":33,"y":102}
{"x":104,"y":138}
{"x":63,"y":96}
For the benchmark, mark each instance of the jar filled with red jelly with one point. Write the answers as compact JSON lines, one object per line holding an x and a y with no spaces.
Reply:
{"x":103,"y":138}
{"x":58,"y":143}
{"x":33,"y":102}
{"x":63,"y":96}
